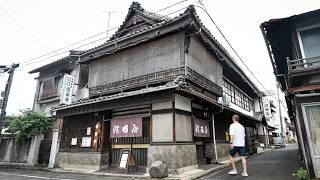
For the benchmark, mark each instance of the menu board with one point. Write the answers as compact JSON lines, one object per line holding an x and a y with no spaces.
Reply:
{"x":124,"y":159}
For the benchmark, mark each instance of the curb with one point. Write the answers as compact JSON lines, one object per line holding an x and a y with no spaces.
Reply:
{"x":100,"y":174}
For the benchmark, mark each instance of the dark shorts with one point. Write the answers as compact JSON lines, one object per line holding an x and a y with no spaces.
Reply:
{"x":236,"y":149}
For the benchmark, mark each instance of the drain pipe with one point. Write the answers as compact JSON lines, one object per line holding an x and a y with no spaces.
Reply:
{"x":214,"y":135}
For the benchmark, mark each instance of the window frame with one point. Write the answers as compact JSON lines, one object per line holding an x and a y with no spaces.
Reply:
{"x":299,"y":30}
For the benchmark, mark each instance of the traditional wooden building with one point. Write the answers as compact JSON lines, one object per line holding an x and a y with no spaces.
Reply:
{"x":294,"y":47}
{"x":163,"y":87}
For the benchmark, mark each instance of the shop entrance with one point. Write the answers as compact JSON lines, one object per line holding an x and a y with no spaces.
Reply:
{"x":139,"y":145}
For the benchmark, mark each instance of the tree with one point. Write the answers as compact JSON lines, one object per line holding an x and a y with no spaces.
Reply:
{"x":28,"y":124}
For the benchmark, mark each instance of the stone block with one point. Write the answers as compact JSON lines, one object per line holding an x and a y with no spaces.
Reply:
{"x":158,"y":169}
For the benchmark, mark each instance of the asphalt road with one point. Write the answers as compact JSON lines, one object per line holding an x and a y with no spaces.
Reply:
{"x":274,"y":165}
{"x":278,"y":164}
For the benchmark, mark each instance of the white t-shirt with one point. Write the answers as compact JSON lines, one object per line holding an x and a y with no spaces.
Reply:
{"x":237,"y":130}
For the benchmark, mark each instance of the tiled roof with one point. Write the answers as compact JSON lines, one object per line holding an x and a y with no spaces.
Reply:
{"x":115,"y":96}
{"x":52,"y":64}
{"x":179,"y":84}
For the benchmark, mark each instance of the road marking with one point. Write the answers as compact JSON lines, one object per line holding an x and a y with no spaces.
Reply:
{"x":28,"y":176}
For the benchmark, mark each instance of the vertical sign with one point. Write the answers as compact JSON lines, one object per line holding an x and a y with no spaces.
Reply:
{"x":67,"y":89}
{"x":266,"y":107}
{"x":201,"y":128}
{"x":126,"y":127}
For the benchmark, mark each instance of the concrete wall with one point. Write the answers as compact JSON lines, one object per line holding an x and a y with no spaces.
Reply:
{"x":200,"y":60}
{"x":223,"y":151}
{"x":82,"y":160}
{"x":154,"y":56}
{"x":10,"y":152}
{"x":176,"y":156}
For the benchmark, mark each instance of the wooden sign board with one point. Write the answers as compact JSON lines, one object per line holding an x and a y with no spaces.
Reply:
{"x":126,"y":160}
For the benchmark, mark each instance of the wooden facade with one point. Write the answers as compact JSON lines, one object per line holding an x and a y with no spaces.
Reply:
{"x":167,"y":71}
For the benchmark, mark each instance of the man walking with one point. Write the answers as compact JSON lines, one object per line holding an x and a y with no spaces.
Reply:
{"x":237,"y":144}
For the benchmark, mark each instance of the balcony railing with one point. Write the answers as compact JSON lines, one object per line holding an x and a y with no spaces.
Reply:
{"x":304,"y":64}
{"x":50,"y":93}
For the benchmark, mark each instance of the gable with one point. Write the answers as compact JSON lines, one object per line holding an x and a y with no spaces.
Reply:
{"x":137,"y":19}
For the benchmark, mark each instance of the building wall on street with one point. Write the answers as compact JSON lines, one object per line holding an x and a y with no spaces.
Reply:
{"x":82,"y":160}
{"x":223,"y":151}
{"x":176,"y":156}
{"x":11,"y":152}
{"x":203,"y":62}
{"x":154,"y":56}
{"x":45,"y":106}
{"x":302,"y":129}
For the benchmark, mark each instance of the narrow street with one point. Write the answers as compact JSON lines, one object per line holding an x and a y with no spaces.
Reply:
{"x":275,"y":165}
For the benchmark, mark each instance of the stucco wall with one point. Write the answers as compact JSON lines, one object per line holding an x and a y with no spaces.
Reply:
{"x":176,"y":156}
{"x":154,"y":56}
{"x":11,"y":152}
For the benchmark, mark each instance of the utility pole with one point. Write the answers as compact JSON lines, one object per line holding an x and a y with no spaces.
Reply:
{"x":5,"y":93}
{"x":280,"y":112}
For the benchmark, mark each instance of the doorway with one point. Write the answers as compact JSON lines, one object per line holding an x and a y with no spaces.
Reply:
{"x":311,"y":114}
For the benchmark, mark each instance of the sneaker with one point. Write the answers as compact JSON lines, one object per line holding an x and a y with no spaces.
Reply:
{"x":233,"y":173}
{"x":244,"y":174}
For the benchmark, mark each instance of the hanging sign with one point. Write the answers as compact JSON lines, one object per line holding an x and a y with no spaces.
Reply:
{"x":126,"y":127}
{"x":266,"y":108}
{"x":67,"y":89}
{"x":201,"y":128}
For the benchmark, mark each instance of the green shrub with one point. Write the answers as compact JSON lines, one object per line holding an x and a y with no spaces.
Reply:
{"x":28,"y":124}
{"x":301,"y":174}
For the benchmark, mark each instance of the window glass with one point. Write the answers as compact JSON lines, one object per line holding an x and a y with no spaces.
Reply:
{"x":311,"y":43}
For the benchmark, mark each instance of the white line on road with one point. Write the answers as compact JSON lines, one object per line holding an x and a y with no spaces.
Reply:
{"x":28,"y":176}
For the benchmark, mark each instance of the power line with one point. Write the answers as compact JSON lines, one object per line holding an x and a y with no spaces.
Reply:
{"x":227,"y":41}
{"x":72,"y":44}
{"x":23,"y":27}
{"x":28,"y":62}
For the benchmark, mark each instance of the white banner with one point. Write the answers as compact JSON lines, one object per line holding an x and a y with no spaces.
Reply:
{"x":67,"y":89}
{"x":266,"y":108}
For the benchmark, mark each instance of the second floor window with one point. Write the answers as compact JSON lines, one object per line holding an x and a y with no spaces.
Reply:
{"x":310,"y":43}
{"x":237,"y":96}
{"x":49,"y":87}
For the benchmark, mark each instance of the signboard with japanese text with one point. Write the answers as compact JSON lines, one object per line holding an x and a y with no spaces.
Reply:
{"x":266,"y":108}
{"x":67,"y":89}
{"x":126,"y":127}
{"x":200,"y":128}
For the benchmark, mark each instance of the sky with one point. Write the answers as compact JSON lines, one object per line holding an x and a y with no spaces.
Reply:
{"x":29,"y":29}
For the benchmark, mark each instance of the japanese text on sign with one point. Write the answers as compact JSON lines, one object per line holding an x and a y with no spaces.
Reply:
{"x":68,"y":82}
{"x":201,"y":128}
{"x":126,"y":127}
{"x":266,"y":107}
